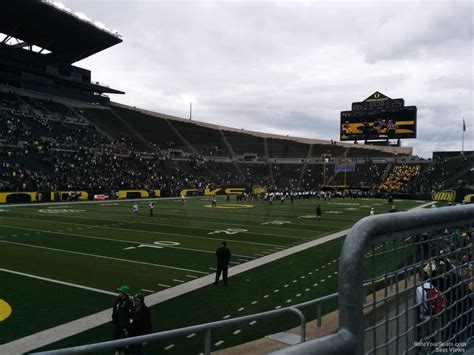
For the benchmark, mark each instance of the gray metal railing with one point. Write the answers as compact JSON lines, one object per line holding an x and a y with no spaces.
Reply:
{"x":393,"y":251}
{"x":205,"y":328}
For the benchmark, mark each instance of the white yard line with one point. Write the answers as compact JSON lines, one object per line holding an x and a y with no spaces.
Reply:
{"x":59,"y":282}
{"x":103,"y":257}
{"x":59,"y":231}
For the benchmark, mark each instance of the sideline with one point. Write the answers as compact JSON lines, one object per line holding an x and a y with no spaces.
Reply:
{"x":145,"y":200}
{"x":55,"y":334}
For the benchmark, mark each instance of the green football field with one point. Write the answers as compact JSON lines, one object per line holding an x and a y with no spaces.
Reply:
{"x":60,"y":262}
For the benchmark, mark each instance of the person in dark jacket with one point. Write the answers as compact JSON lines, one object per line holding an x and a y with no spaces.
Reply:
{"x":140,"y":323}
{"x":223,"y":256}
{"x":121,"y":313}
{"x":318,"y":211}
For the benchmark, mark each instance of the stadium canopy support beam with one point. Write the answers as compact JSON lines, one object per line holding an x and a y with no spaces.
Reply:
{"x":21,"y":44}
{"x":6,"y":39}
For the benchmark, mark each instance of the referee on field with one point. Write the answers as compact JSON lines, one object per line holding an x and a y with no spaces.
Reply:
{"x":223,"y":256}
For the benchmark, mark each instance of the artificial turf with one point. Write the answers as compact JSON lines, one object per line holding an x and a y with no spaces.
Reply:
{"x":102,"y":245}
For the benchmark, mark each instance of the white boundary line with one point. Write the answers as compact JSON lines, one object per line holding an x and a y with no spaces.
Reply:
{"x":145,"y":199}
{"x":59,"y":282}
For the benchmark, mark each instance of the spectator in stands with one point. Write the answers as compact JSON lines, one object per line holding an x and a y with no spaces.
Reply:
{"x":400,"y":177}
{"x":223,"y":257}
{"x":121,"y":314}
{"x":140,"y":323}
{"x":425,"y":320}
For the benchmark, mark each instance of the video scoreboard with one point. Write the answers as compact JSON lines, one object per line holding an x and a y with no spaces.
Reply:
{"x":378,"y":117}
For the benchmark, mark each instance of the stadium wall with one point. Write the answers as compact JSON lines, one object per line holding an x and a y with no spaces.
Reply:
{"x":460,"y":195}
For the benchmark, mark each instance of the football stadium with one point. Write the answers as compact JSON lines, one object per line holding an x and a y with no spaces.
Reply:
{"x":129,"y":231}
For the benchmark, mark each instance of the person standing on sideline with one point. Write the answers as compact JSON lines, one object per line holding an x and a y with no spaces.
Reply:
{"x":135,"y":209}
{"x":318,"y":211}
{"x":151,"y":206}
{"x":223,"y":256}
{"x":140,"y":323}
{"x":214,"y":201}
{"x":372,"y":212}
{"x":121,"y":313}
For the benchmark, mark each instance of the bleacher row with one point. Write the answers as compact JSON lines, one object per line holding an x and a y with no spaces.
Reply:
{"x":48,"y":145}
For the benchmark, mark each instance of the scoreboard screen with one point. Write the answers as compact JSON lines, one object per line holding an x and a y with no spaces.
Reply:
{"x":394,"y":123}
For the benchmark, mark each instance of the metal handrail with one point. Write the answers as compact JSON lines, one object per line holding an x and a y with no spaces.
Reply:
{"x":205,"y":327}
{"x":374,"y":229}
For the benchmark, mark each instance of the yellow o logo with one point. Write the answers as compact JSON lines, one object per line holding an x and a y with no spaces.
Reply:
{"x":5,"y":310}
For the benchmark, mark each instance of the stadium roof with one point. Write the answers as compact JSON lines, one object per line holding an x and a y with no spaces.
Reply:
{"x":69,"y":36}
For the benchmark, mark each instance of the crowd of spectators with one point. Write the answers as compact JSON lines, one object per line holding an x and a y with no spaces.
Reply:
{"x":446,"y":172}
{"x":41,"y":151}
{"x":400,"y":177}
{"x":447,"y":265}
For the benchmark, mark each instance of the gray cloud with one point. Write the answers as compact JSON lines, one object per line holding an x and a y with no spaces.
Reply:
{"x":291,"y":67}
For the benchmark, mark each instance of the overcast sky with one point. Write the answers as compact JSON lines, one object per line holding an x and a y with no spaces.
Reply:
{"x":292,"y":67}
